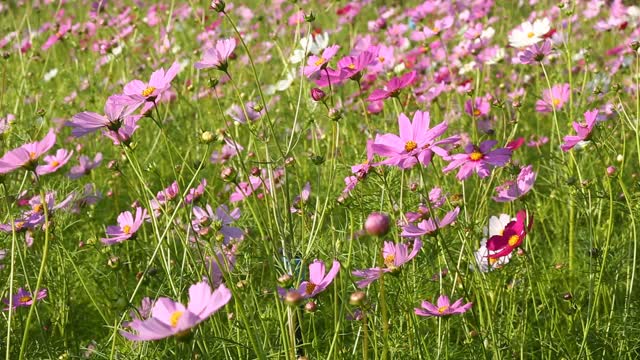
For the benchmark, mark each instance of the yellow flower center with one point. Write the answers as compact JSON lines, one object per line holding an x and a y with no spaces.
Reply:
{"x":37,"y":208}
{"x":25,"y":298}
{"x":442,"y":309}
{"x":320,"y":61}
{"x":476,"y":112}
{"x":381,"y":58}
{"x":32,"y":155}
{"x":555,"y":101}
{"x":530,"y":35}
{"x":410,"y":145}
{"x":148,"y":91}
{"x":351,"y":66}
{"x":513,"y":240}
{"x":126,"y":229}
{"x":55,"y":163}
{"x":175,"y":317}
{"x":388,"y":260}
{"x":492,"y":261}
{"x":19,"y":225}
{"x":435,"y":29}
{"x":310,"y":287}
{"x":476,"y":155}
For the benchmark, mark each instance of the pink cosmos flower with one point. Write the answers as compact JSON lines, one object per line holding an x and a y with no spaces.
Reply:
{"x":393,"y":87}
{"x":169,"y":318}
{"x":556,"y":98}
{"x":352,"y":67}
{"x":54,"y":162}
{"x":512,"y":190}
{"x":62,"y":31}
{"x":115,"y":113}
{"x":318,"y":281}
{"x":436,"y":199}
{"x":395,"y":255}
{"x":217,"y":223}
{"x":245,"y":189}
{"x":140,"y":92}
{"x":23,"y":298}
{"x":124,"y":133}
{"x":583,"y":130}
{"x":477,"y":159}
{"x":229,"y":150}
{"x":317,"y":63}
{"x":85,"y":167}
{"x":443,"y":307}
{"x":438,"y":27}
{"x":416,"y":143}
{"x":362,"y":170}
{"x":217,"y":56}
{"x":300,"y":200}
{"x":511,"y":238}
{"x":126,"y":228}
{"x":164,"y":196}
{"x":428,"y":226}
{"x":478,"y":107}
{"x":195,"y":193}
{"x":26,"y":156}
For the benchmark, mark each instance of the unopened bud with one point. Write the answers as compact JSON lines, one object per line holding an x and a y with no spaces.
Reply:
{"x":227,"y":173}
{"x":218,"y":5}
{"x":293,"y":298}
{"x":285,"y":280}
{"x":207,"y":137}
{"x":317,"y":94}
{"x":357,"y":298}
{"x":377,"y":224}
{"x":311,"y":307}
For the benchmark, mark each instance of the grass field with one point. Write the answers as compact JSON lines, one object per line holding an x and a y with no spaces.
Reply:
{"x":319,"y":179}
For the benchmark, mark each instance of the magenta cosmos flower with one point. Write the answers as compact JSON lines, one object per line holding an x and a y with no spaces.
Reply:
{"x":127,"y":226}
{"x":217,"y":56}
{"x":514,"y":233}
{"x":140,"y":92}
{"x":116,"y":112}
{"x":318,"y":280}
{"x":169,"y":318}
{"x":416,"y":143}
{"x":429,"y":226}
{"x":26,"y":156}
{"x":395,"y":255}
{"x":554,"y":98}
{"x":443,"y":307}
{"x":512,"y":190}
{"x":23,"y":298}
{"x":583,"y":130}
{"x":393,"y":87}
{"x":535,"y":53}
{"x":317,"y":63}
{"x":477,"y":159}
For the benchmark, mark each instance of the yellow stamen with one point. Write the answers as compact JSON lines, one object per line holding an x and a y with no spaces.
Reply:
{"x":320,"y":61}
{"x":55,"y":163}
{"x":476,"y":155}
{"x":513,"y":240}
{"x":410,"y":145}
{"x":492,"y":261}
{"x":148,"y":91}
{"x":32,"y":155}
{"x":442,"y":309}
{"x":37,"y":208}
{"x":24,"y":299}
{"x":476,"y":112}
{"x":555,"y":101}
{"x":389,"y":260}
{"x":351,"y":66}
{"x":530,"y":35}
{"x":175,"y":317}
{"x":310,"y":287}
{"x":381,"y":58}
{"x":435,"y":29}
{"x":126,"y":229}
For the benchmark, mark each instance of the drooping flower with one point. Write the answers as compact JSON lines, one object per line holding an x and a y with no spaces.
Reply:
{"x":512,"y":190}
{"x":534,"y":54}
{"x":318,"y":280}
{"x":583,"y":130}
{"x":428,"y":226}
{"x":443,"y":307}
{"x":85,"y":167}
{"x":393,"y":87}
{"x":394,"y":255}
{"x":26,"y":156}
{"x":127,"y":227}
{"x":477,"y":159}
{"x":416,"y":143}
{"x":554,"y":98}
{"x":169,"y":318}
{"x":115,"y":113}
{"x":512,"y":236}
{"x":217,"y":56}
{"x":528,"y":34}
{"x":484,"y":262}
{"x":195,"y":193}
{"x":164,"y":196}
{"x":54,"y":162}
{"x":140,"y":92}
{"x":23,"y":298}
{"x":124,"y":133}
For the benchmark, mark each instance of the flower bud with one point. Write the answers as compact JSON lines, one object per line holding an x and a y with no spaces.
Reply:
{"x":293,"y":298}
{"x":567,"y":296}
{"x":311,"y":307}
{"x":335,"y":114}
{"x":357,"y":298}
{"x":611,"y":170}
{"x":207,"y":137}
{"x":285,"y":280}
{"x":377,"y":224}
{"x":289,"y":161}
{"x":317,"y":94}
{"x":113,"y":262}
{"x":218,"y":5}
{"x":227,"y":173}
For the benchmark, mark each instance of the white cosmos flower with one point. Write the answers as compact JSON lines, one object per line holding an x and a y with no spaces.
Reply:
{"x":309,"y":45}
{"x":528,"y":34}
{"x":50,"y":75}
{"x":496,"y":227}
{"x":281,"y":85}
